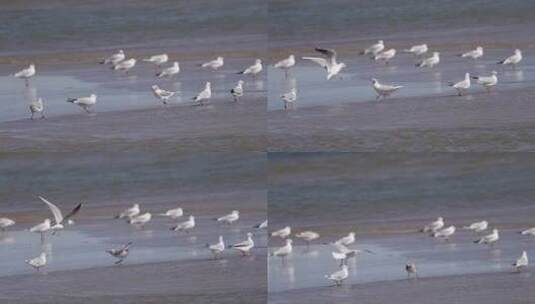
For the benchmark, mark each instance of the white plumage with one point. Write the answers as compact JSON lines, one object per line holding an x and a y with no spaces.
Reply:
{"x":478,"y":226}
{"x":282,"y":233}
{"x":214,"y":64}
{"x":125,"y":66}
{"x":430,"y":61}
{"x":473,"y":54}
{"x":237,"y":91}
{"x":253,"y":69}
{"x":6,"y":222}
{"x":38,"y":262}
{"x":338,"y":276}
{"x":513,"y":59}
{"x":384,"y":90}
{"x":434,"y":225}
{"x":204,"y":94}
{"x":36,"y":106}
{"x":114,"y":58}
{"x":329,"y":63}
{"x":489,"y":239}
{"x":129,"y":212}
{"x":84,"y":102}
{"x":217,"y":248}
{"x":385,"y":56}
{"x":462,"y":85}
{"x":186,"y":225}
{"x":417,"y":50}
{"x":229,"y":218}
{"x":374,"y":49}
{"x":157,"y":59}
{"x":487,"y":81}
{"x":161,"y":94}
{"x":170,"y":71}
{"x":245,"y":246}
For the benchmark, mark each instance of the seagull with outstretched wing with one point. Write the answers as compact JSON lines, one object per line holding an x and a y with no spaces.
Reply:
{"x":59,"y":219}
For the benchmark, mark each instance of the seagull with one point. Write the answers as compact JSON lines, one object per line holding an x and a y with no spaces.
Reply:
{"x":125,"y":65}
{"x":343,"y":253}
{"x":41,"y":228}
{"x":229,"y":218}
{"x":385,"y":55}
{"x":521,"y":262}
{"x":530,"y":231}
{"x":254,"y":69}
{"x":162,"y":94}
{"x":26,"y":73}
{"x":129,"y":212}
{"x":245,"y":246}
{"x":214,"y":64}
{"x":417,"y":50}
{"x":445,"y":233}
{"x":217,"y":248}
{"x":513,"y":59}
{"x":339,"y":256}
{"x":157,"y":59}
{"x":237,"y":91}
{"x":473,"y":54}
{"x":434,"y":226}
{"x":262,"y":225}
{"x":283,"y":251}
{"x":141,"y":219}
{"x":338,"y":276}
{"x":115,"y":58}
{"x":462,"y":85}
{"x":204,"y":94}
{"x":374,"y":49}
{"x":384,"y":90}
{"x":169,"y":71}
{"x":329,"y":63}
{"x":59,"y":219}
{"x":173,"y":213}
{"x":308,"y":236}
{"x":186,"y":225}
{"x":489,"y":239}
{"x":120,"y":253}
{"x":282,"y":233}
{"x":38,"y":262}
{"x":84,"y":102}
{"x":478,"y":226}
{"x":410,"y":268}
{"x":289,"y":99}
{"x":6,"y":222}
{"x":487,"y":81}
{"x":430,"y":61}
{"x":347,"y":240}
{"x":36,"y":106}
{"x":285,"y":64}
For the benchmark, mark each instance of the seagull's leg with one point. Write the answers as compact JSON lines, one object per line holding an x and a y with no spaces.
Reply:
{"x":31,"y":116}
{"x":42,"y":237}
{"x":285,"y":73}
{"x":26,"y":81}
{"x":43,"y":115}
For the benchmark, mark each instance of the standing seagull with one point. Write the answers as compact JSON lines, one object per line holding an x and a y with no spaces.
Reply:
{"x":513,"y":59}
{"x":487,"y":81}
{"x":186,"y":225}
{"x":115,"y":58}
{"x":329,"y":63}
{"x":410,"y":268}
{"x":237,"y":91}
{"x":434,"y":225}
{"x":245,"y":246}
{"x":141,"y":219}
{"x":254,"y":69}
{"x":161,"y":94}
{"x":282,"y":233}
{"x":478,"y":226}
{"x":530,"y":231}
{"x":6,"y":222}
{"x":26,"y":74}
{"x":37,"y":106}
{"x":262,"y":225}
{"x":374,"y":49}
{"x":204,"y":94}
{"x":430,"y":61}
{"x":289,"y":99}
{"x":445,"y":233}
{"x":462,"y":85}
{"x":347,"y":240}
{"x":384,"y":90}
{"x":41,"y":228}
{"x":129,"y":212}
{"x":521,"y":262}
{"x":158,"y":60}
{"x":213,"y":64}
{"x":84,"y":102}
{"x":124,"y":65}
{"x":417,"y":50}
{"x":338,"y":276}
{"x":217,"y":248}
{"x":229,"y":218}
{"x":385,"y":56}
{"x":283,"y":251}
{"x":59,"y":219}
{"x":38,"y":262}
{"x":473,"y":54}
{"x":285,"y":64}
{"x":170,"y":71}
{"x":173,"y":213}
{"x":489,"y":239}
{"x":120,"y":253}
{"x":308,"y":236}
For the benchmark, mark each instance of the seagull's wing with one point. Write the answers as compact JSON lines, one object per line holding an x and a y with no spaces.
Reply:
{"x":72,"y":213}
{"x":329,"y":53}
{"x":58,"y":217}
{"x":321,"y":61}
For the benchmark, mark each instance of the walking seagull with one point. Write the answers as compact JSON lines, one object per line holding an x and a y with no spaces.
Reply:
{"x":487,"y":81}
{"x":125,"y":66}
{"x":346,"y":240}
{"x":329,"y":63}
{"x":489,"y":239}
{"x":245,"y":246}
{"x":120,"y":253}
{"x":385,"y":56}
{"x":283,"y":251}
{"x":59,"y":219}
{"x":513,"y":59}
{"x":262,"y":225}
{"x":434,"y":225}
{"x":205,"y":94}
{"x":289,"y":99}
{"x":338,"y":276}
{"x":384,"y":90}
{"x":445,"y":233}
{"x":217,"y":248}
{"x":129,"y":212}
{"x":38,"y":262}
{"x":285,"y":64}
{"x":522,"y":262}
{"x":141,"y":219}
{"x":37,"y":106}
{"x":430,"y":61}
{"x":161,"y":94}
{"x":186,"y":225}
{"x":374,"y":49}
{"x":26,"y":74}
{"x":253,"y":69}
{"x":237,"y":91}
{"x":462,"y":85}
{"x":41,"y":228}
{"x":169,"y":71}
{"x":115,"y":58}
{"x":84,"y":102}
